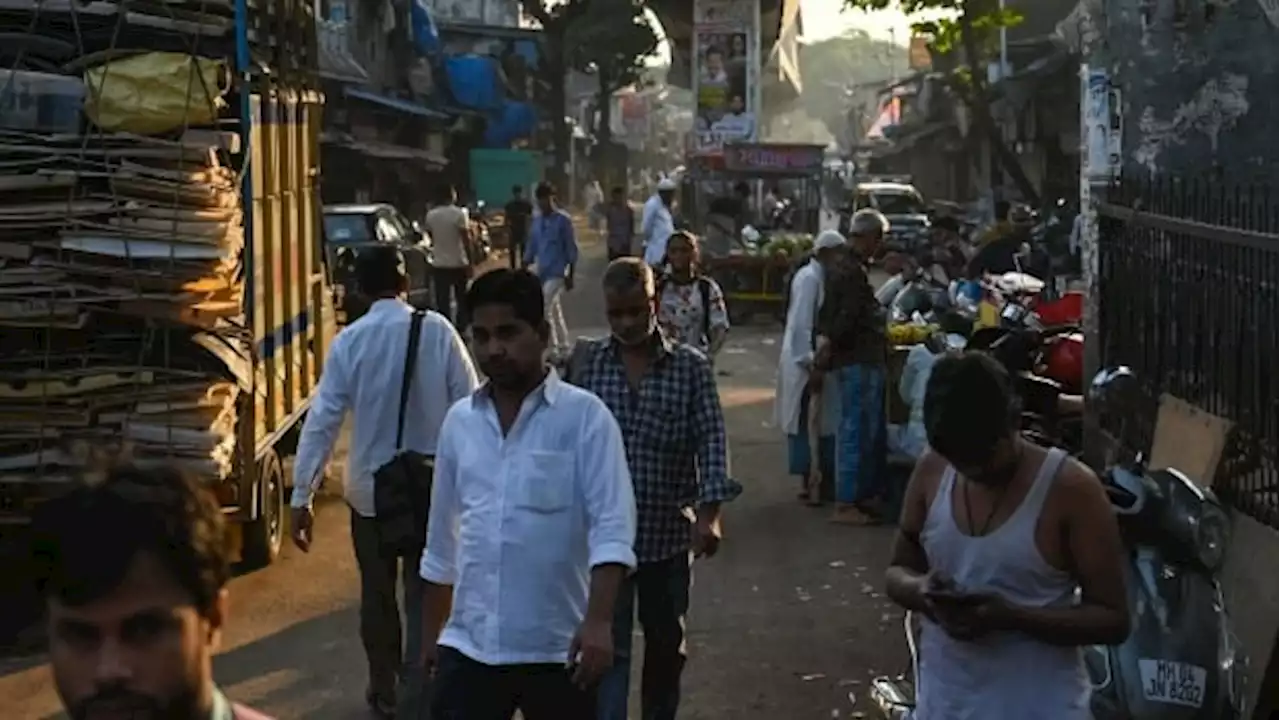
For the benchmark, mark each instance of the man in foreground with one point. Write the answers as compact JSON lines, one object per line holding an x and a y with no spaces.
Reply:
{"x":134,"y":568}
{"x":664,"y":397}
{"x":364,"y":374}
{"x":531,"y":528}
{"x":553,"y":251}
{"x":517,"y":214}
{"x":996,"y":535}
{"x":853,"y":348}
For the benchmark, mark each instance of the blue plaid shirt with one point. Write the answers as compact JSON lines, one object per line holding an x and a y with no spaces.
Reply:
{"x":673,"y":429}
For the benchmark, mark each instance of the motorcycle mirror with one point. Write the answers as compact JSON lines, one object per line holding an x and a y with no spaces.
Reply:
{"x":1111,"y":386}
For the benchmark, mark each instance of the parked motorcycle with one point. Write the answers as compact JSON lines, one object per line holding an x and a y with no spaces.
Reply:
{"x":1181,"y":660}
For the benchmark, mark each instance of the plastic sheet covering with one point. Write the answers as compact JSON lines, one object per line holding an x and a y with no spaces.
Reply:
{"x":155,"y":92}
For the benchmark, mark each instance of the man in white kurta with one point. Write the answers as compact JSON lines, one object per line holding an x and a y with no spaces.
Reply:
{"x":657,"y":223}
{"x":796,"y":360}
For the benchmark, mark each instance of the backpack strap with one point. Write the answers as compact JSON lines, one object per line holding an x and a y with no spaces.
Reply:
{"x":410,"y":365}
{"x":579,"y":356}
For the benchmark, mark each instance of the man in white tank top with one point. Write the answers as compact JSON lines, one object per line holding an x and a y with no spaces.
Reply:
{"x":996,"y":536}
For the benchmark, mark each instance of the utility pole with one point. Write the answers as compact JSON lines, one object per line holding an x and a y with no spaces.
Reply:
{"x":1095,"y":109}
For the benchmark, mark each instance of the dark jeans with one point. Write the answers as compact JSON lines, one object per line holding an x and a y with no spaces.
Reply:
{"x":469,"y":690}
{"x":390,"y":655}
{"x":515,"y":251}
{"x":659,"y":593}
{"x":451,"y":288}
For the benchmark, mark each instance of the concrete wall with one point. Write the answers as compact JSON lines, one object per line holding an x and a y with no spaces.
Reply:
{"x":1199,"y":89}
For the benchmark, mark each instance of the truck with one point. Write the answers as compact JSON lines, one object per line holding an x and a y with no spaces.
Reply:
{"x":163,"y":284}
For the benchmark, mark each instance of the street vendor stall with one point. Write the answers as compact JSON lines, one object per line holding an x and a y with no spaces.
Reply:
{"x":748,"y":256}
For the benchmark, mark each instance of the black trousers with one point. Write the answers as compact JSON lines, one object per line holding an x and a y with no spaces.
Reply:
{"x":390,"y":650}
{"x":470,"y":690}
{"x":658,"y":595}
{"x":515,"y":251}
{"x":451,"y":288}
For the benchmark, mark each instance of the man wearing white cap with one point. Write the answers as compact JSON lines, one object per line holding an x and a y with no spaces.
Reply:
{"x":656,"y":222}
{"x":796,"y":374}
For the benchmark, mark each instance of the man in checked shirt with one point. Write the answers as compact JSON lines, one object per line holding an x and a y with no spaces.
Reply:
{"x":664,"y":397}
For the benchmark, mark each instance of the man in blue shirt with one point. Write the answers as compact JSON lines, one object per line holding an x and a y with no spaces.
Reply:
{"x":553,"y":250}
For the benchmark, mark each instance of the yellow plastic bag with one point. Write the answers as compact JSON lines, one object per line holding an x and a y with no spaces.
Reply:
{"x":155,"y":92}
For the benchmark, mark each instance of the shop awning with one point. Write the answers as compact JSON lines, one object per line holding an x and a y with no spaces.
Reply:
{"x":384,"y":151}
{"x":393,"y":103}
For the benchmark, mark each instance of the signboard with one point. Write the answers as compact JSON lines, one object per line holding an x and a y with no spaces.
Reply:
{"x":1096,"y":121}
{"x":726,"y":73}
{"x":773,"y":158}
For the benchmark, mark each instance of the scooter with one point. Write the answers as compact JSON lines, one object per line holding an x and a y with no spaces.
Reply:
{"x":1181,"y":660}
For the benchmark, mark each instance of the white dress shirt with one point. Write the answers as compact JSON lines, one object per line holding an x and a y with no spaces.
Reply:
{"x":656,"y":225}
{"x":363,"y":374}
{"x":517,"y":522}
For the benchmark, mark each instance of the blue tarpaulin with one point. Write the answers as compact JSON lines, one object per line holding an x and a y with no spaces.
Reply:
{"x":426,"y":37}
{"x":473,"y":81}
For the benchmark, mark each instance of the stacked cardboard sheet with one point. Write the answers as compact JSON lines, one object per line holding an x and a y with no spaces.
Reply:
{"x":120,"y":301}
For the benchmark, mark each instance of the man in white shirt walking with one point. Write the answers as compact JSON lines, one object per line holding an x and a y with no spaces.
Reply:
{"x":450,"y":229}
{"x":532,"y":523}
{"x":361,"y":376}
{"x":657,"y":223}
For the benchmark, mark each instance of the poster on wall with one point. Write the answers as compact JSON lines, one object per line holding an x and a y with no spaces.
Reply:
{"x":725,"y":74}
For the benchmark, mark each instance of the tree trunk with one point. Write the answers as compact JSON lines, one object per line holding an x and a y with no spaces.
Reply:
{"x":980,"y":103}
{"x":602,"y":152}
{"x":561,"y":137}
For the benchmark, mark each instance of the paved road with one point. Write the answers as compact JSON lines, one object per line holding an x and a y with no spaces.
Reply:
{"x":787,"y":622}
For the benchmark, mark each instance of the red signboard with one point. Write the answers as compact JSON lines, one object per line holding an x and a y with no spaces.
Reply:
{"x":773,"y":158}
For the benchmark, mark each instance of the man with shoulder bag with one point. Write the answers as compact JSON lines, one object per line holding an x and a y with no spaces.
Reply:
{"x":396,"y":419}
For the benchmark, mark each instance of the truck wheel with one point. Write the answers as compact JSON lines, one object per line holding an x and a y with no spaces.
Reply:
{"x":264,"y":536}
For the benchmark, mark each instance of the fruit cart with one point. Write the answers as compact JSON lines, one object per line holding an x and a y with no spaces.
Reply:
{"x":754,"y":273}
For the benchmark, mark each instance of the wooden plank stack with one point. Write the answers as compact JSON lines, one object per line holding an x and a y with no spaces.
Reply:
{"x":120,"y":289}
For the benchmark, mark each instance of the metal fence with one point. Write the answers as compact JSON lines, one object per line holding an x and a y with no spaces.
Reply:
{"x":1188,"y":299}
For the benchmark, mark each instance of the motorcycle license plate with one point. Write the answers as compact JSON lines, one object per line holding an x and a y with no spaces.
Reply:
{"x":1172,"y":683}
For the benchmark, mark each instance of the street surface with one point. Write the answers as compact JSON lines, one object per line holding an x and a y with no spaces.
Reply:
{"x":788,"y":621}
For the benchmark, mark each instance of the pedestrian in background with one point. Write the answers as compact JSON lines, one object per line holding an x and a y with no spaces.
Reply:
{"x":620,"y":224}
{"x":517,"y":214}
{"x":663,"y":394}
{"x":360,"y":376}
{"x":798,"y":379}
{"x":852,"y":347}
{"x":532,"y":523}
{"x":553,"y":251}
{"x":657,"y":223}
{"x":691,"y":307}
{"x":133,"y":565}
{"x":593,"y":198}
{"x":449,"y":226}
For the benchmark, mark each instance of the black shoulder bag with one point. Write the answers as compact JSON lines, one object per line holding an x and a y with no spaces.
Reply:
{"x":402,"y":487}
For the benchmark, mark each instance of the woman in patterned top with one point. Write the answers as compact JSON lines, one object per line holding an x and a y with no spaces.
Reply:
{"x":691,"y":306}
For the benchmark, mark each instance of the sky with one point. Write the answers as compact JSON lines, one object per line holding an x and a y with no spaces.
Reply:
{"x":828,"y":18}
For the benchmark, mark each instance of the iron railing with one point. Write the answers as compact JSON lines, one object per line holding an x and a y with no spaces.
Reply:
{"x":1188,"y":299}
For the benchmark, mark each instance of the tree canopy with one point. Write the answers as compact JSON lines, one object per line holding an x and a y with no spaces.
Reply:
{"x":845,"y":72}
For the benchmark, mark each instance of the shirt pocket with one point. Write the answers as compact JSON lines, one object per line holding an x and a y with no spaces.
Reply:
{"x":546,"y":485}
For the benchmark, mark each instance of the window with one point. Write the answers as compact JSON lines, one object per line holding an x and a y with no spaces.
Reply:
{"x":347,"y":228}
{"x":900,"y":203}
